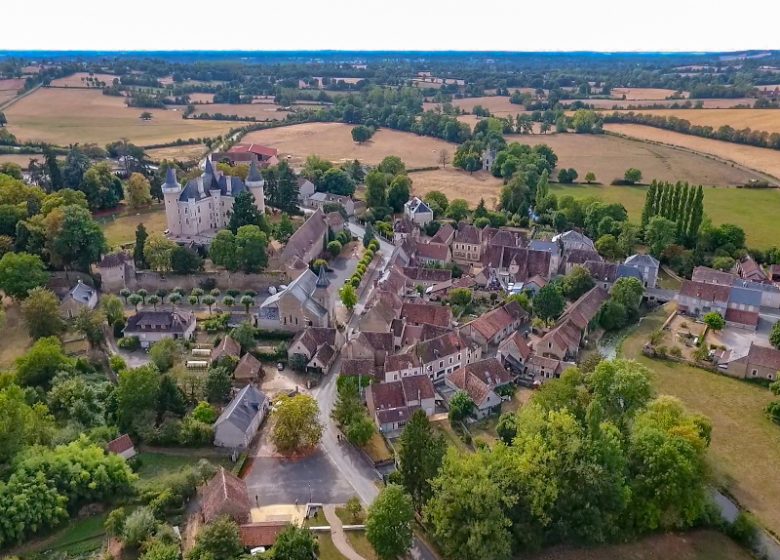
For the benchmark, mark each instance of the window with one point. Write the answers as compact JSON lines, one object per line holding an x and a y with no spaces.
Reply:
{"x":754,"y":372}
{"x":441,"y":363}
{"x":450,"y":359}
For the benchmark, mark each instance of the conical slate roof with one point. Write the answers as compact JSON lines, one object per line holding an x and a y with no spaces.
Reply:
{"x":322,"y":280}
{"x":254,"y":174}
{"x":209,"y":169}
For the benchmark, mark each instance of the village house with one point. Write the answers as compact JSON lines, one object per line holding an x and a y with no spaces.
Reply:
{"x":306,"y":244}
{"x":496,"y":325}
{"x":410,"y":335}
{"x":362,"y":367}
{"x":446,"y":353}
{"x":761,"y":362}
{"x":261,"y":535}
{"x":513,"y":265}
{"x":370,"y":345}
{"x":605,"y":274}
{"x":543,"y":368}
{"x":317,"y":347}
{"x":151,"y":326}
{"x":698,"y":298}
{"x":572,"y":240}
{"x":117,"y":271}
{"x":514,"y":353}
{"x":577,"y":257}
{"x":404,"y":228}
{"x":305,"y":189}
{"x":392,"y":404}
{"x":648,"y":266}
{"x":480,"y":380}
{"x":748,"y":269}
{"x":503,"y":237}
{"x":306,"y":302}
{"x":318,"y":200}
{"x":226,"y":347}
{"x":205,"y":204}
{"x":81,"y":296}
{"x":237,"y":425}
{"x":248,"y":370}
{"x":564,"y":339}
{"x":534,"y":284}
{"x":431,"y":254}
{"x":224,"y":494}
{"x":770,"y":294}
{"x":548,"y":247}
{"x":426,"y":277}
{"x":467,"y":244}
{"x":417,"y":211}
{"x":122,"y":446}
{"x":426,"y":313}
{"x":445,"y":234}
{"x":398,"y":366}
{"x":743,"y":307}
{"x":384,"y":308}
{"x":263,"y":156}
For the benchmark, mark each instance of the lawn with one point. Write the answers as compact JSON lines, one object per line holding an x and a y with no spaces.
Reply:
{"x":120,"y":230}
{"x":745,"y":443}
{"x":377,"y":449}
{"x":696,"y":545}
{"x":358,"y":541}
{"x":755,"y":210}
{"x":444,"y":428}
{"x":78,"y":536}
{"x":13,"y":333}
{"x":328,"y":550}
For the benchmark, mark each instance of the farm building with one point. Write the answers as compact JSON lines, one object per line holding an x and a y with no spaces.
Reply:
{"x":122,"y":446}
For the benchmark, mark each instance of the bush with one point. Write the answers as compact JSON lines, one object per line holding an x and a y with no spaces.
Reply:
{"x":129,"y":343}
{"x":744,"y":530}
{"x":675,"y":351}
{"x":117,"y":363}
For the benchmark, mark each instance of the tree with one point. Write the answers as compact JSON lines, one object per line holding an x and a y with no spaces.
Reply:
{"x":549,"y":303}
{"x":389,"y":523}
{"x":209,"y":301}
{"x":136,"y":393}
{"x":246,"y":213}
{"x":420,"y":454}
{"x":218,"y":384}
{"x":444,"y":158}
{"x":399,"y":192}
{"x":10,"y":168}
{"x":204,"y":412}
{"x":506,"y":429}
{"x":39,"y":365}
{"x":115,"y":522}
{"x":659,"y":234}
{"x":3,"y":119}
{"x":590,"y":177}
{"x":461,"y":407}
{"x":360,"y":430}
{"x":392,"y":165}
{"x":437,"y":201}
{"x":158,"y":252}
{"x":362,"y":134}
{"x":164,"y":353}
{"x":774,"y":335}
{"x":462,"y":490}
{"x":90,"y":323}
{"x":724,"y":263}
{"x":295,"y":543}
{"x":244,"y":334}
{"x":138,"y":191}
{"x":297,"y":423}
{"x":138,"y":248}
{"x":247,"y":301}
{"x":336,"y":181}
{"x":376,"y":189}
{"x":714,"y":320}
{"x":458,"y":209}
{"x":251,"y":245}
{"x":185,"y":261}
{"x":334,"y":248}
{"x":41,"y":313}
{"x":134,"y":300}
{"x":139,"y":526}
{"x":219,"y":539}
{"x":74,"y":238}
{"x":348,"y":296}
{"x":20,"y":273}
{"x":102,"y":187}
{"x":112,"y":307}
{"x":284,"y":229}
{"x":577,"y":282}
{"x":223,"y":250}
{"x":628,"y":291}
{"x":21,"y":424}
{"x":607,"y":246}
{"x":632,"y":175}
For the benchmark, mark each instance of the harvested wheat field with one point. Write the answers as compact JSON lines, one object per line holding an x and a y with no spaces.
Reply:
{"x":456,"y":183}
{"x":62,"y":117}
{"x":79,"y":79}
{"x":12,"y":84}
{"x":260,"y":111}
{"x":755,"y":119}
{"x":644,"y":93}
{"x":181,"y":153}
{"x":497,"y":105}
{"x":22,"y":160}
{"x":706,"y":103}
{"x":333,"y":141}
{"x":764,"y":160}
{"x":609,"y":157}
{"x":198,"y":98}
{"x":6,"y":95}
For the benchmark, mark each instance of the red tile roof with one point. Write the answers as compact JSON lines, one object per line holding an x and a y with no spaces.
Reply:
{"x":256,"y":149}
{"x":466,"y":233}
{"x":120,"y":445}
{"x":764,"y":356}
{"x":225,"y":494}
{"x":432,"y":314}
{"x":749,"y":318}
{"x":480,"y":378}
{"x":712,"y":276}
{"x":397,"y":362}
{"x":706,"y":292}
{"x":444,"y":235}
{"x":248,"y":368}
{"x":261,"y":534}
{"x":433,"y":251}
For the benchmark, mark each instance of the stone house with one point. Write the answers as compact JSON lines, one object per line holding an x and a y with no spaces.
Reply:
{"x":431,"y":254}
{"x":392,"y":404}
{"x":306,"y":302}
{"x":480,"y":380}
{"x":514,"y":353}
{"x":446,"y":353}
{"x":318,"y":346}
{"x":698,"y":298}
{"x":117,"y":271}
{"x":81,"y":296}
{"x":417,"y":211}
{"x":467,"y":244}
{"x":496,"y":325}
{"x":543,"y":369}
{"x":151,"y":326}
{"x":648,"y":266}
{"x":225,"y":494}
{"x":306,"y":244}
{"x":761,"y":362}
{"x":122,"y":446}
{"x":237,"y":425}
{"x":318,"y":200}
{"x":398,"y":366}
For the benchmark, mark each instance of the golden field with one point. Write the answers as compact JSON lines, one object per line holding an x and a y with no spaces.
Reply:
{"x":62,"y":116}
{"x":755,"y":119}
{"x":456,"y":183}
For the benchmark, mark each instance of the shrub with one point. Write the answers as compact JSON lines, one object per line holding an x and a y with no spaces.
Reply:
{"x":129,"y":343}
{"x":744,"y":530}
{"x":675,"y":351}
{"x":117,"y":363}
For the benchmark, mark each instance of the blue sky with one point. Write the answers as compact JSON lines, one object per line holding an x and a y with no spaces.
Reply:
{"x":517,"y":25}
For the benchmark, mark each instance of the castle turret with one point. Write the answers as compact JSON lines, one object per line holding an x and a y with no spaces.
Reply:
{"x":171,"y":191}
{"x":322,"y":294}
{"x":256,"y":185}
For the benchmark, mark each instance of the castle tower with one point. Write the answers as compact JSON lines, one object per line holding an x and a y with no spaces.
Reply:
{"x":255,"y":183}
{"x":171,"y":190}
{"x":322,"y":294}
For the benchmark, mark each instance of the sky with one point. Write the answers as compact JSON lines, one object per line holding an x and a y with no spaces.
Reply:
{"x":509,"y":25}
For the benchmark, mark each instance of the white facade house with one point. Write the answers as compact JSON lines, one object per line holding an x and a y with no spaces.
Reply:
{"x":647,"y":266}
{"x":239,"y":422}
{"x":151,"y":326}
{"x":205,"y":204}
{"x":417,"y":211}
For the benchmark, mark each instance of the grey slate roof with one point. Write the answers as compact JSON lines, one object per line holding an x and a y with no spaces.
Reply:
{"x":417,"y":206}
{"x":642,"y":260}
{"x":254,"y":173}
{"x":745,"y":296}
{"x":212,"y":179}
{"x":82,"y":293}
{"x":243,"y":408}
{"x":539,"y":245}
{"x":627,"y":271}
{"x":301,"y":289}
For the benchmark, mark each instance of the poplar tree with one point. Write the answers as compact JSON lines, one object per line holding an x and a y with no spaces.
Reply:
{"x":697,"y":215}
{"x":649,"y":210}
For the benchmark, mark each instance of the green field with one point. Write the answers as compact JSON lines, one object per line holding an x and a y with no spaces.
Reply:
{"x":745,"y":443}
{"x":755,"y":210}
{"x":119,"y":229}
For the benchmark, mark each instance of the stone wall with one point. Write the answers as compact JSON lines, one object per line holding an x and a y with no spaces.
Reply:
{"x":153,"y":281}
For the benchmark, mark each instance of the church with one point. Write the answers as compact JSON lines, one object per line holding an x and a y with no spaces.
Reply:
{"x":205,"y":204}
